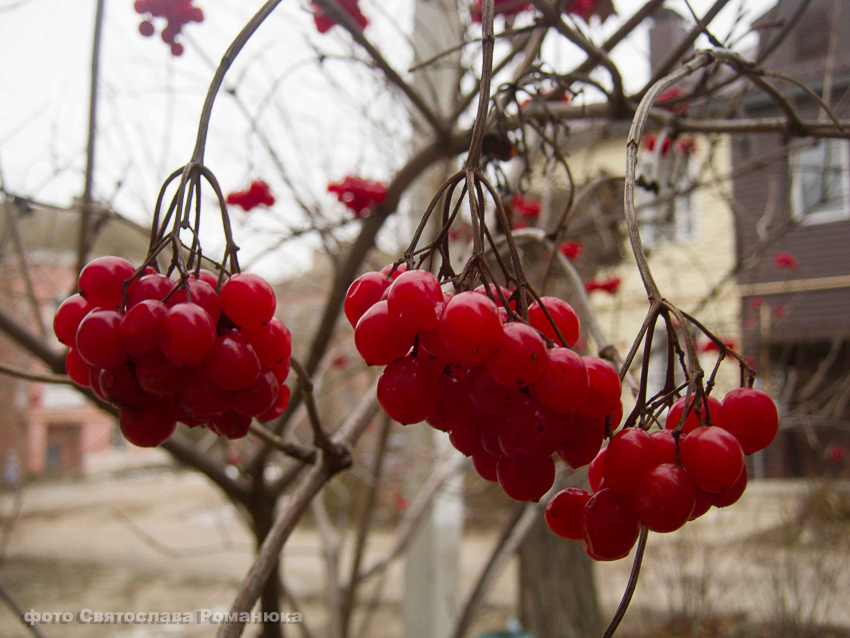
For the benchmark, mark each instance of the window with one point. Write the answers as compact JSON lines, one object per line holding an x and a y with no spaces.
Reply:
{"x":819,"y":182}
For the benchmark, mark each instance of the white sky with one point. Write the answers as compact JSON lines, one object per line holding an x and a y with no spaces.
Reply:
{"x":322,"y":126}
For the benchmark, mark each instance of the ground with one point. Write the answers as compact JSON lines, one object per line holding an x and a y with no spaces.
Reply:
{"x":164,"y":541}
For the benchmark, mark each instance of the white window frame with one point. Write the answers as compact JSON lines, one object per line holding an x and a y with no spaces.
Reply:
{"x":655,"y":234}
{"x":837,"y":213}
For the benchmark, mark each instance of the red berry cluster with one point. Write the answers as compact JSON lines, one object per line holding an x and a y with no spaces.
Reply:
{"x":165,"y":353}
{"x":610,"y":285}
{"x":571,"y":249}
{"x":325,"y":23}
{"x":640,"y":480}
{"x":258,"y":193}
{"x":504,"y":396}
{"x":501,"y":7}
{"x":785,"y":260}
{"x":359,"y":194}
{"x":178,"y":13}
{"x":526,"y":206}
{"x":669,"y":95}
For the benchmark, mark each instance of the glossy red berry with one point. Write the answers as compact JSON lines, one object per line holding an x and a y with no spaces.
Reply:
{"x":272,"y":343}
{"x":248,"y":300}
{"x":488,"y":396}
{"x":527,"y":482}
{"x":408,"y":390}
{"x":701,"y":506}
{"x":202,"y":294}
{"x":595,"y":471}
{"x":465,"y":436}
{"x":581,"y":441}
{"x":94,"y":383}
{"x":101,"y":282}
{"x":631,"y":454}
{"x":77,"y":369}
{"x":281,"y":371}
{"x":99,"y":339}
{"x":232,"y":425}
{"x":364,"y":293}
{"x":486,"y":466}
{"x":379,"y":341}
{"x":713,"y":457}
{"x":187,"y":335}
{"x":603,"y":396}
{"x":470,"y":327}
{"x":729,"y":496}
{"x":119,"y":387}
{"x":563,"y":513}
{"x":489,"y":428}
{"x":208,"y":277}
{"x":140,"y":327}
{"x":564,"y":385}
{"x":562,"y":314}
{"x":258,"y":398}
{"x":202,"y":399}
{"x":751,"y":416}
{"x":521,"y":356}
{"x":147,"y":427}
{"x":412,"y":298}
{"x":530,"y":432}
{"x":609,"y":526}
{"x":715,"y":412}
{"x":279,"y":406}
{"x":154,"y":287}
{"x":666,"y":445}
{"x":233,"y":364}
{"x":67,"y":319}
{"x":158,"y":376}
{"x":453,"y":402}
{"x":396,"y":270}
{"x":146,"y":28}
{"x":665,"y":498}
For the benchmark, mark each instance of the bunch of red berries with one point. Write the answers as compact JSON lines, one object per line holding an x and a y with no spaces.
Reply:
{"x":526,"y":206}
{"x":571,"y":249}
{"x":610,"y":285}
{"x":164,"y":351}
{"x":177,"y":13}
{"x":643,"y":479}
{"x":325,"y":23}
{"x":257,"y":194}
{"x":359,"y":194}
{"x":504,"y":394}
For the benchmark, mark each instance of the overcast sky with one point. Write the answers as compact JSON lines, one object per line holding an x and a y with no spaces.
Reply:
{"x":321,"y":125}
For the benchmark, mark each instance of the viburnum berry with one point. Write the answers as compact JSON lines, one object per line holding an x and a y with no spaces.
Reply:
{"x":631,"y":454}
{"x":728,"y":496}
{"x":279,"y":406}
{"x":581,"y":440}
{"x":272,"y":343}
{"x":153,"y":286}
{"x":665,"y":443}
{"x":248,"y":300}
{"x":119,"y":387}
{"x":232,"y":425}
{"x":494,"y":292}
{"x":202,"y":294}
{"x":665,"y":498}
{"x":562,"y":314}
{"x":595,"y":471}
{"x":158,"y":376}
{"x":396,"y":270}
{"x":453,"y":402}
{"x":465,"y":436}
{"x":147,"y":427}
{"x":140,"y":327}
{"x":146,"y":28}
{"x":715,"y":412}
{"x":232,"y":364}
{"x":206,"y":276}
{"x":202,"y":399}
{"x":411,"y":300}
{"x":488,"y":396}
{"x":408,"y":391}
{"x":260,"y":397}
{"x":67,"y":319}
{"x":609,"y":526}
{"x":94,"y":383}
{"x":470,"y":327}
{"x":564,"y":384}
{"x":521,"y":356}
{"x":99,"y":339}
{"x":527,"y":482}
{"x":364,"y":293}
{"x":564,"y":510}
{"x":530,"y":432}
{"x":603,"y":396}
{"x":77,"y":369}
{"x":187,"y":335}
{"x":378,"y":340}
{"x":486,"y":465}
{"x":281,"y":371}
{"x":489,"y":428}
{"x":750,"y":415}
{"x":713,"y":457}
{"x":101,"y":281}
{"x":701,"y":506}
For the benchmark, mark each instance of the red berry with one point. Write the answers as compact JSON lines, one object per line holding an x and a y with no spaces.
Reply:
{"x":401,"y":268}
{"x":364,"y":293}
{"x":526,"y":482}
{"x":489,"y":428}
{"x":379,"y":341}
{"x":177,"y":51}
{"x":563,"y":513}
{"x":494,"y":291}
{"x":715,"y":412}
{"x":603,"y":397}
{"x":486,"y":466}
{"x":279,"y":406}
{"x":140,"y":327}
{"x":120,"y":387}
{"x":729,"y":496}
{"x":67,"y":319}
{"x":232,"y":425}
{"x":94,"y":383}
{"x":77,"y":369}
{"x":203,"y":400}
{"x":154,"y":287}
{"x":187,"y":335}
{"x":202,"y":295}
{"x":580,"y":442}
{"x":595,"y":471}
{"x":233,"y":364}
{"x":206,"y":276}
{"x":248,"y":300}
{"x":408,"y":391}
{"x":258,"y":398}
{"x":158,"y":376}
{"x":146,"y":28}
{"x":631,"y":454}
{"x":564,"y":385}
{"x":701,"y":507}
{"x":148,"y":427}
{"x":751,"y":416}
{"x":272,"y":343}
{"x":521,"y":357}
{"x":412,"y":298}
{"x":666,"y":445}
{"x":453,"y":402}
{"x":470,"y":327}
{"x":609,"y":526}
{"x":562,"y":314}
{"x":465,"y":436}
{"x":281,"y":371}
{"x":101,"y":282}
{"x":530,"y":432}
{"x":488,"y":396}
{"x":665,"y":498}
{"x":713,"y":457}
{"x":99,"y":339}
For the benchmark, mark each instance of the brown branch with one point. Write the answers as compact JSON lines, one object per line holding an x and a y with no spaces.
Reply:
{"x":320,"y":437}
{"x":23,"y":373}
{"x":24,"y":338}
{"x":15,"y":232}
{"x":290,"y":448}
